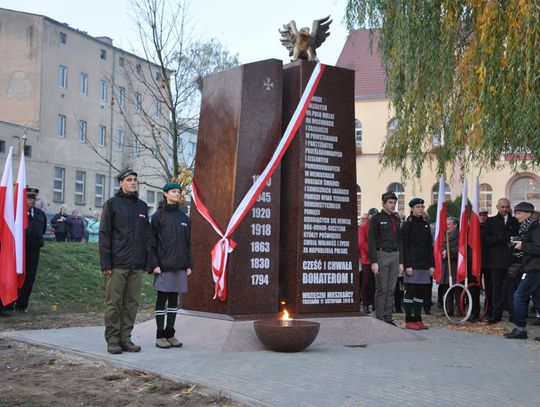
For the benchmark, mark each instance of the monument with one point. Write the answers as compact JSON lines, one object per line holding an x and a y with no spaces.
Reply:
{"x":298,"y":243}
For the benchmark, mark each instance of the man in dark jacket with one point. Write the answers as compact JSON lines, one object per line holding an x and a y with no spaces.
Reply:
{"x":384,"y":241}
{"x":59,"y":224}
{"x":37,"y":226}
{"x":499,"y":228}
{"x":530,"y":247}
{"x":124,"y":244}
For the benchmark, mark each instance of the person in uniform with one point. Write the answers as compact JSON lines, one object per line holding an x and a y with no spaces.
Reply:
{"x":171,"y":230}
{"x":37,"y":226}
{"x":368,"y":279}
{"x":125,"y":242}
{"x":384,"y":254}
{"x":418,"y":262}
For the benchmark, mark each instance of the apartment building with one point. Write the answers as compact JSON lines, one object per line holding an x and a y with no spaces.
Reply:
{"x":80,"y":102}
{"x":375,"y":122}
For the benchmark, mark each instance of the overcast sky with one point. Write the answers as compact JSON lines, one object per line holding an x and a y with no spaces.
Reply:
{"x":246,"y":27}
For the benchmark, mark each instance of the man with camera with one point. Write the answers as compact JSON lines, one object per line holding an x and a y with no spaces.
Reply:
{"x":529,"y":245}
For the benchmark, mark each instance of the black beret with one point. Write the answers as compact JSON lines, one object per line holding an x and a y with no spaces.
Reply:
{"x":124,"y":173}
{"x":416,"y":201}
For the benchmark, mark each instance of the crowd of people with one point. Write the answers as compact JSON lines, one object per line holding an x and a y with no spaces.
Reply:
{"x":75,"y":228}
{"x":398,"y":252}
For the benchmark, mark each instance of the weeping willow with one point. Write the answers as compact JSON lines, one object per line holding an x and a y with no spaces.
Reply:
{"x":463,"y":77}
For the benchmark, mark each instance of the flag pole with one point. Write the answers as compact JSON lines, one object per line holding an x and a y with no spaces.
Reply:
{"x":448,"y":259}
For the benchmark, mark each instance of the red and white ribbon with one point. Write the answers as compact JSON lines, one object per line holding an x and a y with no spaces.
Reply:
{"x":226,"y":245}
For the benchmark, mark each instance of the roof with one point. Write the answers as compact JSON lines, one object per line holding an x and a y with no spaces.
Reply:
{"x":357,"y":54}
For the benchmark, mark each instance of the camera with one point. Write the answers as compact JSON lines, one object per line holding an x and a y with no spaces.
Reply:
{"x":513,"y":242}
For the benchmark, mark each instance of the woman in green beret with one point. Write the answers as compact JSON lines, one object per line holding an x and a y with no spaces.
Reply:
{"x":418,"y":263}
{"x":171,"y":256}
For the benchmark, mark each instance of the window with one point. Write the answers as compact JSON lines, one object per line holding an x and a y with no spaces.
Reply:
{"x":84,"y":84}
{"x":138,"y":68}
{"x":138,"y":102}
{"x":58,"y":184}
{"x":438,"y":139}
{"x":103,"y":54}
{"x":121,"y":61}
{"x":136,"y":145}
{"x":83,"y":125}
{"x":102,"y":136}
{"x":435,"y":193}
{"x":80,"y":179}
{"x":116,"y":185}
{"x":158,"y":76}
{"x":103,"y":91}
{"x":61,"y":125}
{"x":525,"y":188}
{"x":62,"y":76}
{"x":392,"y":127}
{"x":100,"y":187}
{"x":150,"y":200}
{"x":358,"y":201}
{"x":398,"y":189}
{"x":121,"y":96}
{"x":192,"y":148}
{"x":485,"y":197}
{"x":2,"y":146}
{"x":62,"y":37}
{"x":120,"y":140}
{"x":358,"y":135}
{"x":28,"y":151}
{"x":158,"y":109}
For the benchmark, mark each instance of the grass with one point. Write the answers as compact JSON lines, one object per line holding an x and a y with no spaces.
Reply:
{"x":69,"y":279}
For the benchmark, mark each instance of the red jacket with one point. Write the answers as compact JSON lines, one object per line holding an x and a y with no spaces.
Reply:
{"x":363,"y":242}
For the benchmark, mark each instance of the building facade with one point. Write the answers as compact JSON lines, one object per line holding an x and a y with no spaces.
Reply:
{"x":86,"y":108}
{"x":375,"y":121}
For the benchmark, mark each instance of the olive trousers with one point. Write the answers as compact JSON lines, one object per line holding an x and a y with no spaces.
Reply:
{"x":123,"y":290}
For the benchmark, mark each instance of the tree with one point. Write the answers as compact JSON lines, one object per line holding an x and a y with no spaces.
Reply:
{"x":164,"y":90}
{"x":463,"y":77}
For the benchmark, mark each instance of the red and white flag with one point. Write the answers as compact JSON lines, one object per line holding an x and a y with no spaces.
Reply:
{"x":21,"y":221}
{"x":8,"y":276}
{"x":440,"y":230}
{"x":462,"y":243}
{"x":474,"y":235}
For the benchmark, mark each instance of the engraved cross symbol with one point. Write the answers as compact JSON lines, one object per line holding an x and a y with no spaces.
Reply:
{"x":268,"y":84}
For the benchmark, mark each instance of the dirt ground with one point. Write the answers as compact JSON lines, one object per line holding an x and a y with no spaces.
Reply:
{"x":34,"y":376}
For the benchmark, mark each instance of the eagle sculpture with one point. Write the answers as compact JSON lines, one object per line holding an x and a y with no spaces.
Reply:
{"x":302,"y":44}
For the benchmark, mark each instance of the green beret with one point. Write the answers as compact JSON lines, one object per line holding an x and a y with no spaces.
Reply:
{"x":171,"y":185}
{"x":416,"y":201}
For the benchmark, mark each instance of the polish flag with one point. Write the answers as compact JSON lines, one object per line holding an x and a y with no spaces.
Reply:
{"x":21,"y":221}
{"x":474,"y":234}
{"x":462,"y":243}
{"x":440,"y":231}
{"x":8,"y":276}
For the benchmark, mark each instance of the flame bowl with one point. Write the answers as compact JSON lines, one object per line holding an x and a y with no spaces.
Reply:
{"x":286,"y":336}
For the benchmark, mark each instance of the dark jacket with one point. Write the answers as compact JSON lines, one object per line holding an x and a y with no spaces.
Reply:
{"x":59,"y":227}
{"x":383,"y":233}
{"x":171,"y":230}
{"x":497,"y":239}
{"x":36,"y":229}
{"x":453,"y":244}
{"x":125,"y":239}
{"x":76,"y":227}
{"x":531,"y":249}
{"x":417,"y":244}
